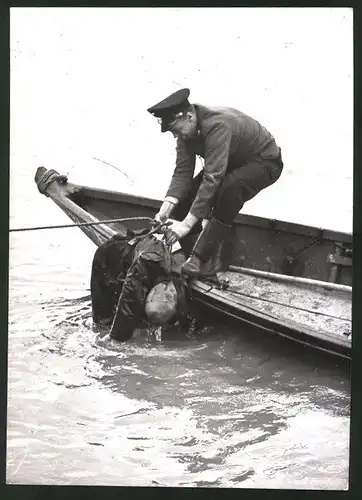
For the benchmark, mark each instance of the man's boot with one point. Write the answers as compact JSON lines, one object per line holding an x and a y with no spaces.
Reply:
{"x":205,"y":247}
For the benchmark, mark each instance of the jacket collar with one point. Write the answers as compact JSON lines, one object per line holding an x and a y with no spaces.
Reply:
{"x":200,"y":116}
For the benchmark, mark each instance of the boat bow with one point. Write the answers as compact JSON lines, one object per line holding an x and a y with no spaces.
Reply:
{"x":56,"y":186}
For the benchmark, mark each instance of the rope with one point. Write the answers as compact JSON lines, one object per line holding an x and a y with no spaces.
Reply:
{"x":82,"y":224}
{"x":45,"y":177}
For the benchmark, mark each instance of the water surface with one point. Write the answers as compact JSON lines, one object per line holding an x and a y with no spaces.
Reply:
{"x":229,"y":408}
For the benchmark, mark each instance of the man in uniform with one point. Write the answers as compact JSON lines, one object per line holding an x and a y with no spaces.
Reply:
{"x":240,"y":159}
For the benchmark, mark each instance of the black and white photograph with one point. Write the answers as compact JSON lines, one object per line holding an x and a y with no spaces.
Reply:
{"x":180,"y":247}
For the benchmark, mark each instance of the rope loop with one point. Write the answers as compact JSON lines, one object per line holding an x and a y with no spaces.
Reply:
{"x":46,"y":177}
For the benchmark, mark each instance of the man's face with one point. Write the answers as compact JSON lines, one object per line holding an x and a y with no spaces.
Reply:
{"x":185,"y":126}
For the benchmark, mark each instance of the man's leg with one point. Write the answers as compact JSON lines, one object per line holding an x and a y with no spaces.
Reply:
{"x":238,"y":187}
{"x":242,"y":185}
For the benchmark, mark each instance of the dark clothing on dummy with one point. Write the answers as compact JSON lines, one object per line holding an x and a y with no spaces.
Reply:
{"x":241,"y":159}
{"x":123,"y":273}
{"x":110,"y":264}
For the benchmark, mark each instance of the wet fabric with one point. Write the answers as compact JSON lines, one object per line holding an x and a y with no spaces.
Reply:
{"x":123,"y":273}
{"x":109,"y":268}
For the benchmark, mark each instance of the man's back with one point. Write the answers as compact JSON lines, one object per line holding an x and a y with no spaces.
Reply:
{"x":249,"y":137}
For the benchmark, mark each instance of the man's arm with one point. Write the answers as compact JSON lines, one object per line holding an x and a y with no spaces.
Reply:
{"x":180,"y":182}
{"x":217,"y":149}
{"x":183,"y":173}
{"x":166,"y":209}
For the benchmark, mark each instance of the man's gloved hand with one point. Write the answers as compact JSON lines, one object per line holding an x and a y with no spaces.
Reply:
{"x":166,"y":208}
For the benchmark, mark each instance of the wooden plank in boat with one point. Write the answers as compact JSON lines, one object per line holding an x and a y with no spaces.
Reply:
{"x":331,"y":302}
{"x":313,"y":323}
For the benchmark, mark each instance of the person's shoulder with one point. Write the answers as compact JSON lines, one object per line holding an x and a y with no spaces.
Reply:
{"x":219,"y":115}
{"x":210,"y":111}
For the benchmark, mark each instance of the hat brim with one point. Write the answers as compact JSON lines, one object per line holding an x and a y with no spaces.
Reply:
{"x":168,"y":109}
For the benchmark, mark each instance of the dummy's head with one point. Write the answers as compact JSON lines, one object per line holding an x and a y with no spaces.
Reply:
{"x":161,"y":303}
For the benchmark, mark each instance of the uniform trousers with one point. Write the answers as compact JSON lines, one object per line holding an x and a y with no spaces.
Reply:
{"x":238,"y":186}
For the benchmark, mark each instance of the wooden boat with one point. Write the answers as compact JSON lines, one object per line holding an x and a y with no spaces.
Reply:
{"x":285,"y":278}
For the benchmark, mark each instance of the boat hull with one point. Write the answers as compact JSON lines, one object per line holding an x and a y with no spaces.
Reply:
{"x":293,"y":304}
{"x":254,"y":242}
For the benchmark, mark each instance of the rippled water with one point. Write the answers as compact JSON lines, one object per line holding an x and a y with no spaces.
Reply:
{"x":231,"y":407}
{"x":228,"y":408}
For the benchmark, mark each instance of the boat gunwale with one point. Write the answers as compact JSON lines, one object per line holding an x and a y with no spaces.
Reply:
{"x":240,"y":220}
{"x":217,"y":295}
{"x":321,"y":344}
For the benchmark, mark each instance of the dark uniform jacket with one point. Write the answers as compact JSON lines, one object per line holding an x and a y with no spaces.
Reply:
{"x":227,"y":139}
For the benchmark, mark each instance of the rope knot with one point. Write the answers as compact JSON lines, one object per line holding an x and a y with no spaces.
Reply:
{"x":44,"y":178}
